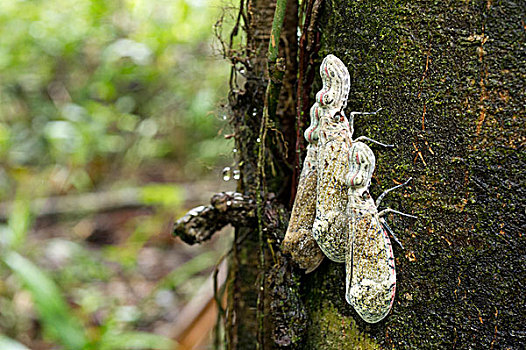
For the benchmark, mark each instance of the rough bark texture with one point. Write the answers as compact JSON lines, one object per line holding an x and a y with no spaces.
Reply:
{"x":451,"y":79}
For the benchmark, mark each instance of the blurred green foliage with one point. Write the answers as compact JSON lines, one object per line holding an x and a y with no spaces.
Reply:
{"x":57,"y":319}
{"x":60,"y":322}
{"x":97,"y":94}
{"x":106,"y":87}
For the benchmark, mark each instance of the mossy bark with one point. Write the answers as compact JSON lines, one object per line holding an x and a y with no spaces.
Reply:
{"x":451,"y":79}
{"x":251,"y":261}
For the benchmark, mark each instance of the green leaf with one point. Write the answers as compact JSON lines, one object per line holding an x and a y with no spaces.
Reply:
{"x":10,"y":344}
{"x":135,"y":340}
{"x":18,"y":223}
{"x":55,"y":314}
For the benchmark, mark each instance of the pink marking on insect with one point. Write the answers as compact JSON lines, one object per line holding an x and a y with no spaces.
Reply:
{"x":317,"y":115}
{"x":325,"y":90}
{"x":358,"y":162}
{"x":309,"y":137}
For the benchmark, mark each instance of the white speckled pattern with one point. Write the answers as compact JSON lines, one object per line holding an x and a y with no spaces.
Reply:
{"x":369,"y":264}
{"x":330,"y":227}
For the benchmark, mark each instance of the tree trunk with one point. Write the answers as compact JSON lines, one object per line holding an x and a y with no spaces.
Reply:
{"x":451,"y":79}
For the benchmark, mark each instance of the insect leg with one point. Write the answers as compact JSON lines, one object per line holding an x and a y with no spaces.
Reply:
{"x":384,"y":224}
{"x":379,"y":199}
{"x":364,"y":138}
{"x":389,"y":210}
{"x":365,"y":113}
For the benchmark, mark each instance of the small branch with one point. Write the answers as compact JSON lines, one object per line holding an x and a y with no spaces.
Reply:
{"x":80,"y":203}
{"x":200,"y":223}
{"x":276,"y":67}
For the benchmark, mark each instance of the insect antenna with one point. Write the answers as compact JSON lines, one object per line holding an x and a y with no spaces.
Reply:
{"x":379,"y":199}
{"x":351,"y":118}
{"x":388,"y":229}
{"x":363,"y":138}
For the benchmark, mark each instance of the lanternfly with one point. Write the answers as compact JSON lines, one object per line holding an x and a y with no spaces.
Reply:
{"x":340,"y":219}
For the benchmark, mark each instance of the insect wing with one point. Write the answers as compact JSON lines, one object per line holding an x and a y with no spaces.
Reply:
{"x":370,"y":267}
{"x":336,"y":83}
{"x":299,"y":242}
{"x":330,"y":227}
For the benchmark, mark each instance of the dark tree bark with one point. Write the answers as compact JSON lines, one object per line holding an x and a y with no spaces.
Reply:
{"x":451,"y":79}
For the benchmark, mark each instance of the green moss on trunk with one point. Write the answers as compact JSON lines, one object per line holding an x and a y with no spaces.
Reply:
{"x":450,"y":77}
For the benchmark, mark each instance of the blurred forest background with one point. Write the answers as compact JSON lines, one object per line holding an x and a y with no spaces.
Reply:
{"x":109,"y":115}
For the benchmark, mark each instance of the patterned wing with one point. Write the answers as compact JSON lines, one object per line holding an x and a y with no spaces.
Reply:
{"x":336,"y":84}
{"x":370,"y":265}
{"x":330,"y":226}
{"x":299,"y":242}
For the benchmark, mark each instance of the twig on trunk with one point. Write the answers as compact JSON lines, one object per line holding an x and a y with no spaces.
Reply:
{"x":200,"y":223}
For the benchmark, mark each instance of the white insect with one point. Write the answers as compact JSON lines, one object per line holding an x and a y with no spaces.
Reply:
{"x":370,"y":264}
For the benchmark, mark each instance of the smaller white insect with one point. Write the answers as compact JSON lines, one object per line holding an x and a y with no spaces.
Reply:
{"x":370,"y":264}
